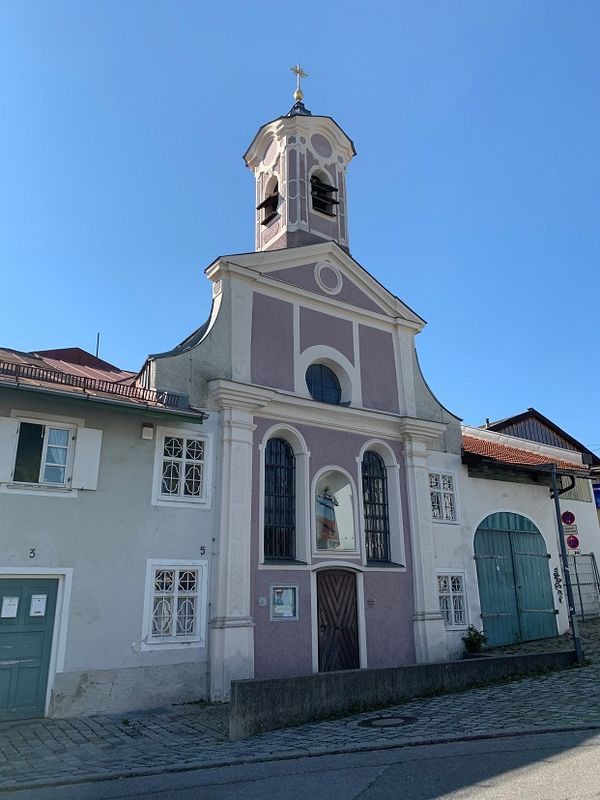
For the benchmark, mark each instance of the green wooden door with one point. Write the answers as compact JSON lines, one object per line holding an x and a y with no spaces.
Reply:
{"x":517,"y":604}
{"x":27,"y":607}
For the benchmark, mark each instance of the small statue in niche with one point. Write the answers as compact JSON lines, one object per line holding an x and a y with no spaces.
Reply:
{"x":328,"y":537}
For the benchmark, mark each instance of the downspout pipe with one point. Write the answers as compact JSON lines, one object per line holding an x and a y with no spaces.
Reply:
{"x":565,"y":562}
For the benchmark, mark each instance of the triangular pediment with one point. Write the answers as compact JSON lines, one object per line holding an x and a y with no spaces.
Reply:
{"x":328,"y":272}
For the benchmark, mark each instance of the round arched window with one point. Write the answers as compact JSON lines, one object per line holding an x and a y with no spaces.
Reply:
{"x":323,"y":384}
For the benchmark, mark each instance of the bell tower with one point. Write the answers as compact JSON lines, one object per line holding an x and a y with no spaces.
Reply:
{"x":299,"y":162}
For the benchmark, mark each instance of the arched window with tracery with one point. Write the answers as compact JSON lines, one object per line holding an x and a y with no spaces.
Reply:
{"x":375,"y":505}
{"x":280,"y":500}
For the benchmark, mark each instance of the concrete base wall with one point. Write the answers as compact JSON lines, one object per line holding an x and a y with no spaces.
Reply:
{"x":134,"y":689}
{"x":258,"y":706}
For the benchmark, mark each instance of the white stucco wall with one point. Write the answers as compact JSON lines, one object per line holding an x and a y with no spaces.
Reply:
{"x":476,"y":499}
{"x":101,"y":540}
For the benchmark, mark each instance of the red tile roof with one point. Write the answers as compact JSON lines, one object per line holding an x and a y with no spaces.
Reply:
{"x":515,"y":455}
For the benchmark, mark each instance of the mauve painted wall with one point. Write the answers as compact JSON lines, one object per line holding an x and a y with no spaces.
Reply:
{"x":272,"y":348}
{"x":285,"y":648}
{"x":304,"y":278}
{"x":389,"y":623}
{"x":378,"y":369}
{"x":318,"y":328}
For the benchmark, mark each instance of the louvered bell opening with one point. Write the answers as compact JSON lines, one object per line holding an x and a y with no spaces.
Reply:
{"x":269,"y":207}
{"x":322,"y":198}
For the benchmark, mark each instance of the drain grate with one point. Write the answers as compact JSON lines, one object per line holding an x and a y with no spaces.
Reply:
{"x":386,"y":722}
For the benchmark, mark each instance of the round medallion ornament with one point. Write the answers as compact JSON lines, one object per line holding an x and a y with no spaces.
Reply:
{"x":328,"y":277}
{"x":321,"y":144}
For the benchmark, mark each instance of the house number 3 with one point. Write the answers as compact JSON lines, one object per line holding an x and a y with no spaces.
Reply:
{"x":32,"y":552}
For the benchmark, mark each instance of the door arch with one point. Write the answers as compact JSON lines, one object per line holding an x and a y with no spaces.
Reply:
{"x":515,"y":590}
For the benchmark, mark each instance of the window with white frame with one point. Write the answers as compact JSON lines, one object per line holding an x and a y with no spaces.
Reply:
{"x":451,"y":591}
{"x":183,"y":467}
{"x":43,"y":454}
{"x":443,"y":497}
{"x":175,"y":604}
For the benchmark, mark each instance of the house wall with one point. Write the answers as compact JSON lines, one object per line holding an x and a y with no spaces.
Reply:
{"x":476,"y":499}
{"x":103,"y":538}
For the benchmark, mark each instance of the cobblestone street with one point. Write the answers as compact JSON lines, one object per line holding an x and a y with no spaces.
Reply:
{"x":53,"y":751}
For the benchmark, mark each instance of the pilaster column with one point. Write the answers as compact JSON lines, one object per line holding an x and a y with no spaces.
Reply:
{"x":430,"y":633}
{"x":232,"y":626}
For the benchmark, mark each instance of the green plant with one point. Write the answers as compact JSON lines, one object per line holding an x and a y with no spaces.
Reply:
{"x":474,"y":640}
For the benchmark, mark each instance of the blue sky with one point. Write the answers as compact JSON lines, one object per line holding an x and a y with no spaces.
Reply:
{"x":474,"y":196}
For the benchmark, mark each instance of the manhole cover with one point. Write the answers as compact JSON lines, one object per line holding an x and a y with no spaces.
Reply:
{"x":386,"y":722}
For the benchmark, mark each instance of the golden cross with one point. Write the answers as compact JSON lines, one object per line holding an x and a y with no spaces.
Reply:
{"x":299,"y":73}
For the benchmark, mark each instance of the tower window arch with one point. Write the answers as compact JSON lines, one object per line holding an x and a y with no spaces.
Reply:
{"x":270,"y":204}
{"x":280,"y":500}
{"x":323,"y":384}
{"x":376,"y":507}
{"x":323,"y":194}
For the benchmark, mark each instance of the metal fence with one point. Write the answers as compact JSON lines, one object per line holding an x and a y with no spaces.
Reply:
{"x":586,"y":585}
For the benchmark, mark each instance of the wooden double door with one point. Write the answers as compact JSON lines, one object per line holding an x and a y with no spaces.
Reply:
{"x":338,"y":620}
{"x":517,"y":602}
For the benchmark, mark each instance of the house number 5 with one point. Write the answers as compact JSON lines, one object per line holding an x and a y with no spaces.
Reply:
{"x":32,"y":552}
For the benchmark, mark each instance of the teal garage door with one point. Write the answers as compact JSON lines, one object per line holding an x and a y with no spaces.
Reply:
{"x":517,"y":603}
{"x":27,"y":607}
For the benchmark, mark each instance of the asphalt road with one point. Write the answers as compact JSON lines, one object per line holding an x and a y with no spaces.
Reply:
{"x":534,"y":767}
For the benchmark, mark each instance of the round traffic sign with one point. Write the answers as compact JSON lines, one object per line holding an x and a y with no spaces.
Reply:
{"x":572,"y":542}
{"x":568,"y":517}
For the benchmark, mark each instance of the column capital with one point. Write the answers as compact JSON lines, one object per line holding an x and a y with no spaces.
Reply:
{"x":421,"y":431}
{"x":229,"y":394}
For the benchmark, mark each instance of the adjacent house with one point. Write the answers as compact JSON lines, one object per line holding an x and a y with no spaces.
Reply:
{"x":107,"y":523}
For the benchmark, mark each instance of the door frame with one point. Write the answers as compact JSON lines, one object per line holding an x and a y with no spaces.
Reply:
{"x":358,"y":572}
{"x":61,"y":614}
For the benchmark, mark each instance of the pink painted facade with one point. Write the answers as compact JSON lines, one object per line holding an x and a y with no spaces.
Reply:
{"x":285,"y":648}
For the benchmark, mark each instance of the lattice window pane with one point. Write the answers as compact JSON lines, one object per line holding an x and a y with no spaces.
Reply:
{"x":456,"y":582}
{"x":186,"y":616}
{"x":194,"y":450}
{"x":449,"y":507}
{"x":434,"y":481}
{"x":170,"y":477}
{"x":162,"y":616}
{"x":188,"y":580}
{"x":173,"y":447}
{"x":447,"y":483}
{"x":163,"y":580}
{"x":443,"y":583}
{"x":436,"y":505}
{"x":446,"y":609}
{"x":193,"y":480}
{"x":458,"y":605}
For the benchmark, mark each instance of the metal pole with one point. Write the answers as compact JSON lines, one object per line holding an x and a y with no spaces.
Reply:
{"x":565,"y":561}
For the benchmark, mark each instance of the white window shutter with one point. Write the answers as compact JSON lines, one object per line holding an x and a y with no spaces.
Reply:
{"x":86,"y":463}
{"x":9,"y":431}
